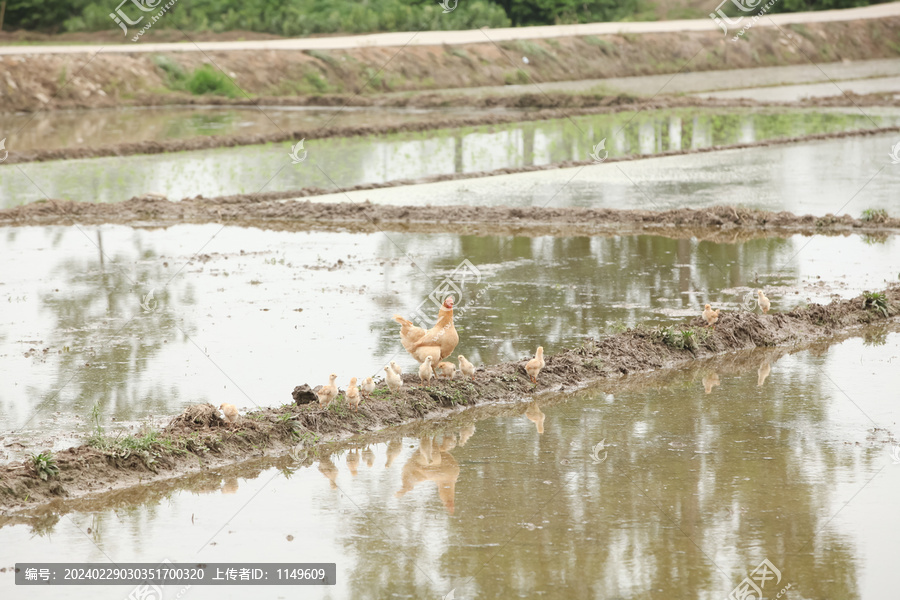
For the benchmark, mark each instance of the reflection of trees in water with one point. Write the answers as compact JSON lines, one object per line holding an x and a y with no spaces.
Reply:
{"x":111,"y":338}
{"x":555,"y":290}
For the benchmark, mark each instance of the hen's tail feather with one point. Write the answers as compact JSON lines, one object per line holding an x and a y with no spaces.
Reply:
{"x":402,"y":321}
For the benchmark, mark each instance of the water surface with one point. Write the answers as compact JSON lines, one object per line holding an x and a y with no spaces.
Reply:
{"x":698,"y":483}
{"x":257,"y":312}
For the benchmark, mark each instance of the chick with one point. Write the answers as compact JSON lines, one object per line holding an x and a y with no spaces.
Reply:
{"x":230,"y":412}
{"x":446,"y":369}
{"x":426,"y":372}
{"x":394,"y":381}
{"x":353,"y":395}
{"x":466,"y":368}
{"x":764,"y":304}
{"x":367,"y":386}
{"x":397,"y":368}
{"x":710,"y":315}
{"x":327,"y":393}
{"x":533,"y":367}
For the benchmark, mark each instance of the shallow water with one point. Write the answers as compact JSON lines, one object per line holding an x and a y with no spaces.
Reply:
{"x":258,"y":312}
{"x":336,"y":163}
{"x":844,"y":176}
{"x":705,"y":473}
{"x":101,"y":127}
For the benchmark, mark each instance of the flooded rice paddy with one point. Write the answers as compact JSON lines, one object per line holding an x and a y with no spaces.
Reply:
{"x":337,"y":163}
{"x":143,"y":322}
{"x":97,"y":127}
{"x":705,"y":473}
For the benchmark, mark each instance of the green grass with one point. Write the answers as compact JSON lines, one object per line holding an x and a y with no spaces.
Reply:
{"x":874,"y":215}
{"x":325,"y":57}
{"x":683,"y":339}
{"x":604,"y":45}
{"x":876,"y":301}
{"x":209,"y":80}
{"x":44,"y":465}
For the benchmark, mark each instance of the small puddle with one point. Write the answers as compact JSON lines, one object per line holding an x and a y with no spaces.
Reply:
{"x":116,"y":317}
{"x":346,"y":162}
{"x":704,"y":473}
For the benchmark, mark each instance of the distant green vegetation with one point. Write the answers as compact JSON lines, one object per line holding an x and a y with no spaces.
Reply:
{"x":305,"y":17}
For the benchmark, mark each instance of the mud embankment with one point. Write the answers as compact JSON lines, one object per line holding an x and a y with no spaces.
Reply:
{"x":268,"y":211}
{"x":198,"y":439}
{"x":94,"y":79}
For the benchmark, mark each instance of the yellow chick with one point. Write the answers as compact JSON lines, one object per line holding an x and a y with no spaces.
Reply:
{"x":368,"y":386}
{"x":397,"y":369}
{"x":327,"y":393}
{"x":394,"y":381}
{"x":353,"y":395}
{"x":763,"y":302}
{"x":426,"y":372}
{"x":710,"y":315}
{"x":230,"y":412}
{"x":446,"y":369}
{"x":533,"y":367}
{"x":466,"y":368}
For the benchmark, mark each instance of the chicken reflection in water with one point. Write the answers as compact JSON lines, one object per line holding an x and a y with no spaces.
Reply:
{"x":433,"y":462}
{"x":710,"y":380}
{"x":764,"y":369}
{"x":353,"y":461}
{"x":327,"y":468}
{"x":536,"y":416}
{"x":395,"y":446}
{"x":230,"y":486}
{"x":465,"y":433}
{"x":368,"y":457}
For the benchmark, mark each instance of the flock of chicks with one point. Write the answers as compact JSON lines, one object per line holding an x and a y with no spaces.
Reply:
{"x":430,"y":348}
{"x":712,"y":316}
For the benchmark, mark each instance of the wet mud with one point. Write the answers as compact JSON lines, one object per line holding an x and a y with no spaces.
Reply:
{"x":270,"y":211}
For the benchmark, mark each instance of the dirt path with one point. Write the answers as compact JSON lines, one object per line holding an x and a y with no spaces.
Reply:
{"x":437,"y":38}
{"x":38,"y":78}
{"x":198,"y":439}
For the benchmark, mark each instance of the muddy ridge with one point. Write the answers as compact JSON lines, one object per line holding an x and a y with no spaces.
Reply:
{"x":269,"y":211}
{"x":198,"y":439}
{"x":554,"y":106}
